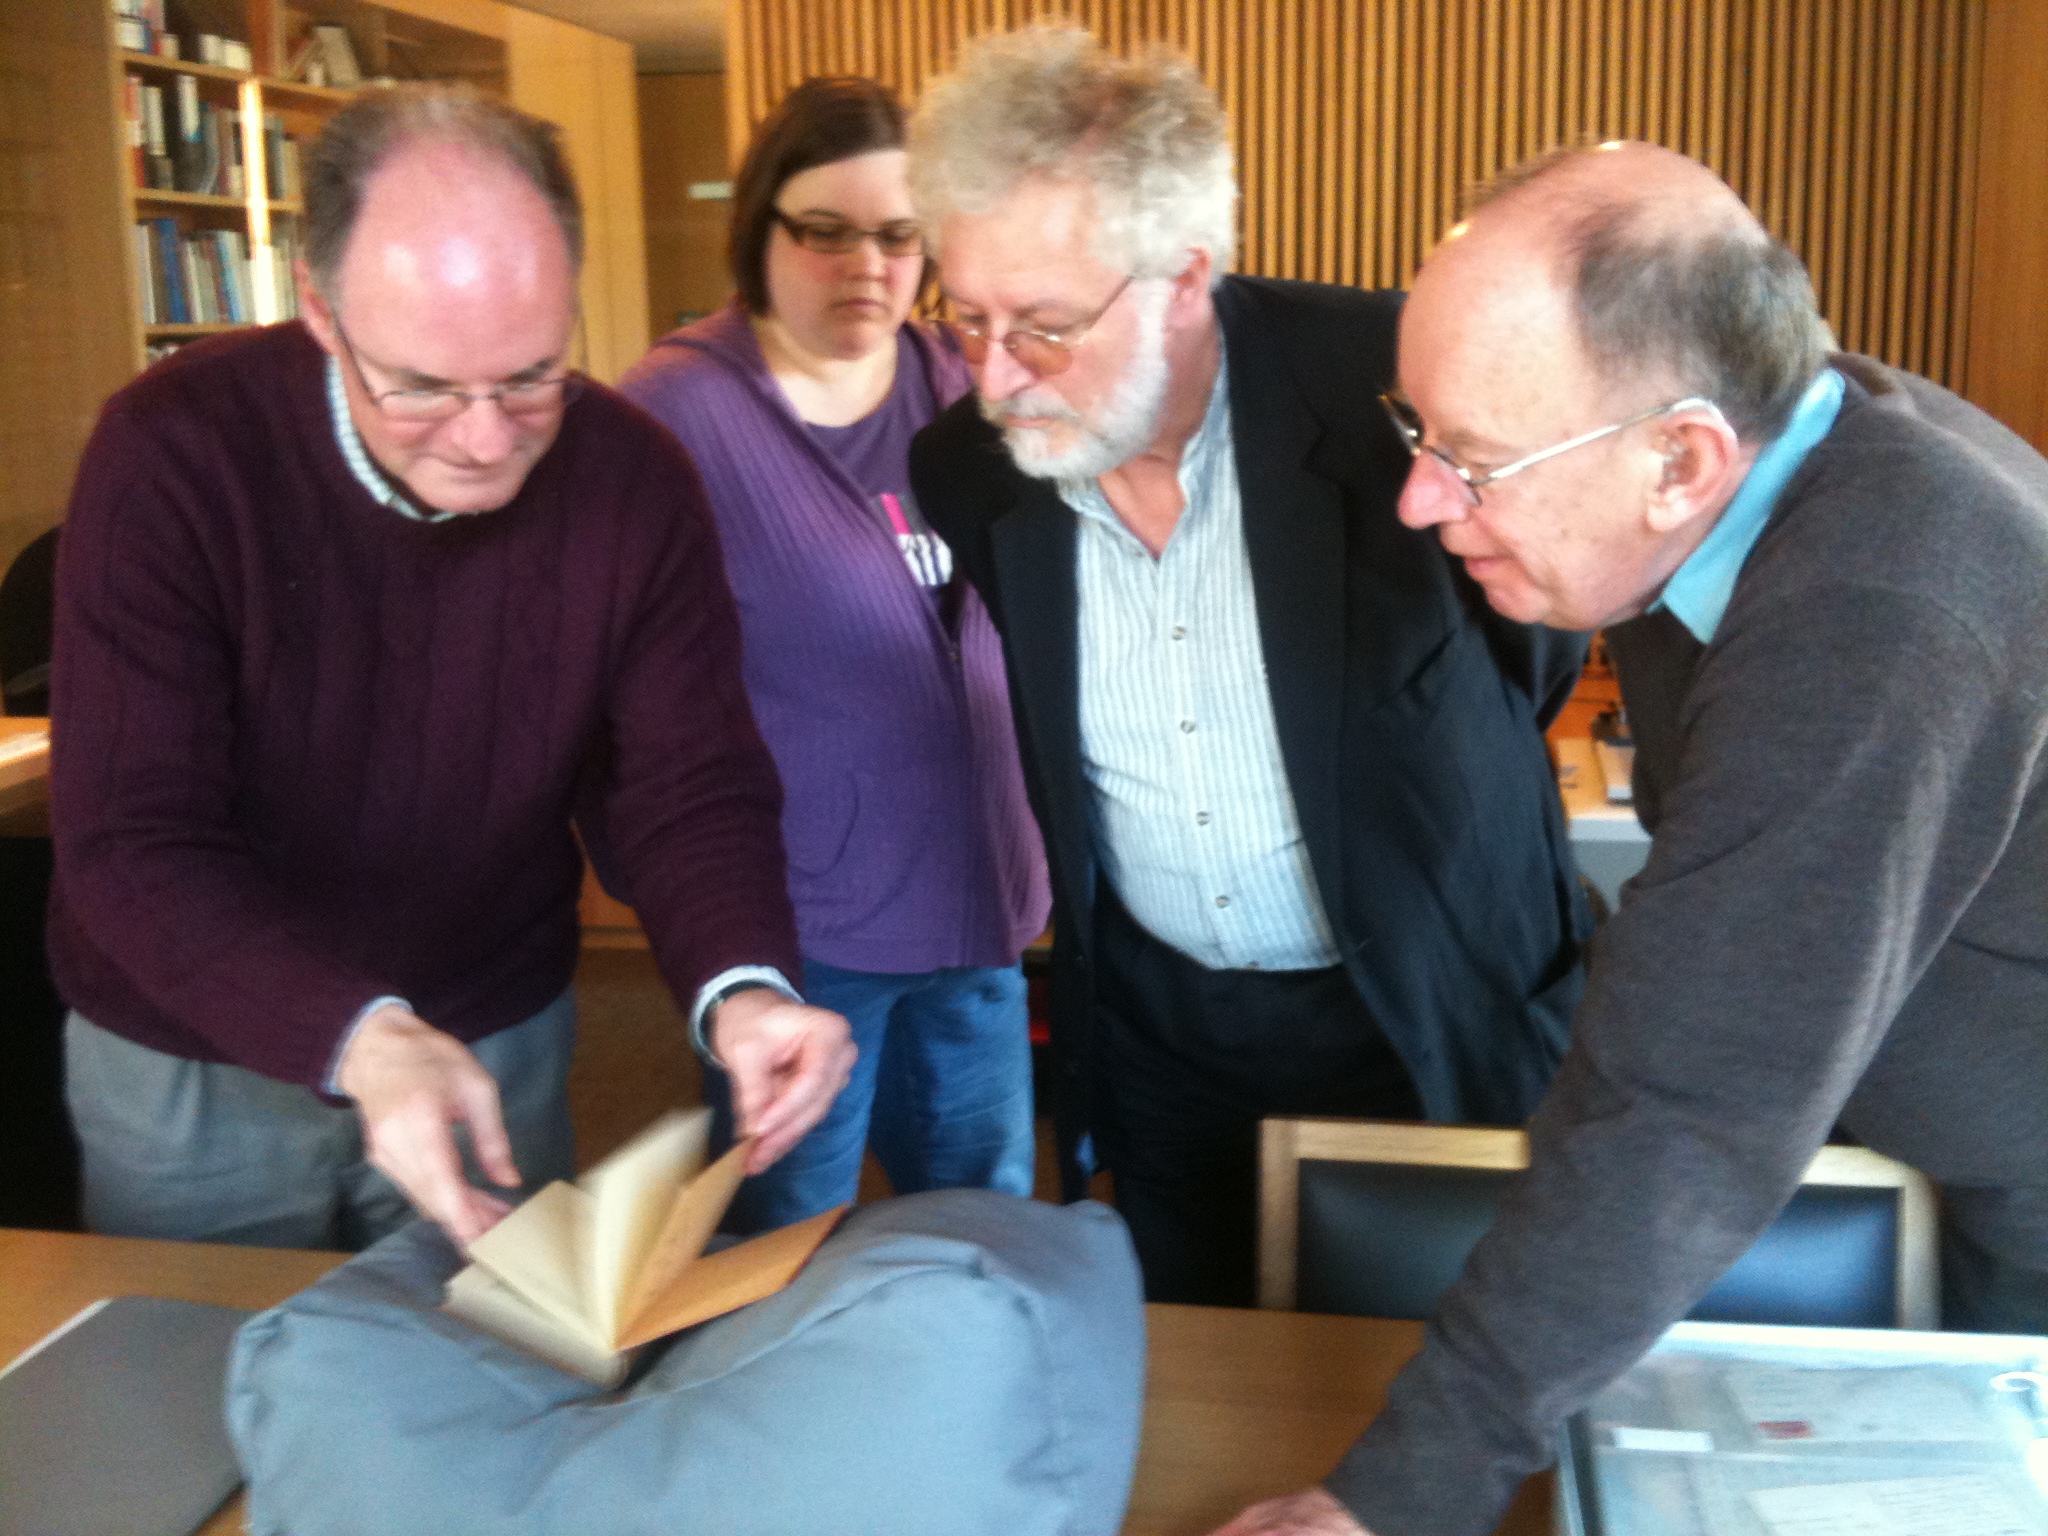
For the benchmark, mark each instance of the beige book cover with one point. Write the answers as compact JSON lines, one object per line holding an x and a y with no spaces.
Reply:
{"x":583,"y":1274}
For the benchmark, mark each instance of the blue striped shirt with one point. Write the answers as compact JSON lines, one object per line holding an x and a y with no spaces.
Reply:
{"x":1189,"y":804}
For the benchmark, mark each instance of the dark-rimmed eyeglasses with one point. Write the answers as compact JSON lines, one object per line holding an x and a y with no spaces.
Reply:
{"x":1044,"y":353}
{"x":835,"y":237}
{"x":1409,"y":425}
{"x":524,"y":400}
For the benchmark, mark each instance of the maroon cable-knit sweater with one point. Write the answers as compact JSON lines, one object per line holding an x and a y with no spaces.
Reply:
{"x":308,"y":752}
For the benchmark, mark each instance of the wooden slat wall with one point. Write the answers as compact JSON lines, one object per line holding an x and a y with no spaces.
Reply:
{"x":1849,"y":125}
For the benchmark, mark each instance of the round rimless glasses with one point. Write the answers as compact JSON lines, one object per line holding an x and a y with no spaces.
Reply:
{"x":1409,"y":425}
{"x":522,"y":399}
{"x":835,"y":237}
{"x":1043,"y":352}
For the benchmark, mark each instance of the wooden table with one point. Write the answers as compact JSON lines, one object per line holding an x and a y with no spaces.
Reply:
{"x":24,"y":763}
{"x":1239,"y":1405}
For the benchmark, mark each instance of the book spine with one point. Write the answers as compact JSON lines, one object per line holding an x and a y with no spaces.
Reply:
{"x":221,"y":257}
{"x":156,"y":140}
{"x":231,"y":154}
{"x":188,"y":156}
{"x":131,"y":112}
{"x":213,"y":177}
{"x":238,"y":270}
{"x":198,"y":302}
{"x":284,"y":258}
{"x":170,"y":257}
{"x":273,"y":156}
{"x":145,"y":279}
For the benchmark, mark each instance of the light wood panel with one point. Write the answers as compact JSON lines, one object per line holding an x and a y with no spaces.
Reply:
{"x":2008,"y":373}
{"x":1850,"y":125}
{"x":682,"y":144}
{"x":585,"y":83}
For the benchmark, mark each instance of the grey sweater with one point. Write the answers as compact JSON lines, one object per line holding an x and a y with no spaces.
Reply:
{"x":1844,"y":917}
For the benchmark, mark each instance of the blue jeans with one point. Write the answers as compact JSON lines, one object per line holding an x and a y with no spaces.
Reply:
{"x":942,"y":1092}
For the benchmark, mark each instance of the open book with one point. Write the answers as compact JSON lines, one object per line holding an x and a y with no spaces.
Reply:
{"x":584,"y":1273}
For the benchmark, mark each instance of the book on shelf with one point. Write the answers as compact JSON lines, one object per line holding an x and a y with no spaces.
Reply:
{"x":280,"y":158}
{"x":141,"y":237}
{"x":132,"y":130}
{"x":583,"y":1274}
{"x":201,"y":277}
{"x":186,"y":131}
{"x":234,"y":259}
{"x":227,"y":52}
{"x":284,"y":255}
{"x":337,"y":54}
{"x":224,"y":128}
{"x":138,"y":24}
{"x":167,"y":272}
{"x":158,"y":173}
{"x":199,"y":296}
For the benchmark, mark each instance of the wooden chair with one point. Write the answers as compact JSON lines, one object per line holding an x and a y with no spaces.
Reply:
{"x":1375,"y":1218}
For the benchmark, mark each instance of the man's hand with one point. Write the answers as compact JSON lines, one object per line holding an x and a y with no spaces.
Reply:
{"x":1313,"y":1513}
{"x":412,"y":1084}
{"x":787,"y":1062}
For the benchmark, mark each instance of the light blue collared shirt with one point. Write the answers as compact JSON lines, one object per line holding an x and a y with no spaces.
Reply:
{"x":1699,"y":590}
{"x":1188,"y":795}
{"x":351,"y":444}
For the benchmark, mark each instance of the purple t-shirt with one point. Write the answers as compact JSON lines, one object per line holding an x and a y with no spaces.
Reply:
{"x":875,"y":453}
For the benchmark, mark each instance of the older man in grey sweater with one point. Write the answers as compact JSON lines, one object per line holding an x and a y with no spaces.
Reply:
{"x":1829,"y":587}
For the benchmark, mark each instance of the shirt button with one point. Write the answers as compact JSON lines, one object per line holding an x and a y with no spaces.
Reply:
{"x":1180,"y":631}
{"x":1222,"y":901}
{"x":1201,"y":818}
{"x":1187,"y":725}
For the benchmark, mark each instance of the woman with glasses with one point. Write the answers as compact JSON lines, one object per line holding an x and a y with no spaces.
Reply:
{"x":877,"y":679}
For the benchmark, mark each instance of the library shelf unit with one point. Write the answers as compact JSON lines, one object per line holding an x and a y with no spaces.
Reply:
{"x":73,"y":193}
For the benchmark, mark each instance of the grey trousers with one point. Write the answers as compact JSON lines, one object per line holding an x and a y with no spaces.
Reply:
{"x":214,"y":1153}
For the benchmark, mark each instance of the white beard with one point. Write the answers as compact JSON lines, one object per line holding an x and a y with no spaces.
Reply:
{"x":1118,"y":431}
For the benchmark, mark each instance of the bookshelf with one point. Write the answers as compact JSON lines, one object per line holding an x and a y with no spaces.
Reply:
{"x":74,"y":308}
{"x":213,"y":142}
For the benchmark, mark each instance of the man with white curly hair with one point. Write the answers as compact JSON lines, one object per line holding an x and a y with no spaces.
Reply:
{"x":1307,"y":854}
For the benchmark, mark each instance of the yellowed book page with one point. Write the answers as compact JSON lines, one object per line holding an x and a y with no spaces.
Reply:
{"x":725,"y":1282}
{"x":631,"y":1193}
{"x":685,"y":1231}
{"x":542,"y":1251}
{"x":501,"y":1312}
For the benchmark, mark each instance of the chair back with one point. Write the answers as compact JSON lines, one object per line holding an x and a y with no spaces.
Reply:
{"x":27,"y":604}
{"x":1375,"y":1218}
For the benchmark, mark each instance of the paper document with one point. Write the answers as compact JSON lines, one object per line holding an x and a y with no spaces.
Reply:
{"x":1893,"y":1404}
{"x":1964,"y":1505}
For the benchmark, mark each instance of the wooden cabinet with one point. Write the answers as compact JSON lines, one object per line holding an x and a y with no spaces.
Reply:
{"x":76,"y":320}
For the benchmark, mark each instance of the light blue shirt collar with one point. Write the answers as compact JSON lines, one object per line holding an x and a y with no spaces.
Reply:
{"x":351,"y":443}
{"x":1698,"y":592}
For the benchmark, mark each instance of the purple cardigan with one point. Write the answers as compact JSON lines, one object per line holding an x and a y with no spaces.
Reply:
{"x":308,"y":752}
{"x":911,"y":846}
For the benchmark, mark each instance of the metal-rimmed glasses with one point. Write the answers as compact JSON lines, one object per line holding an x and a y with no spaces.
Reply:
{"x":835,"y":237}
{"x":1044,"y":353}
{"x":523,"y":400}
{"x":1409,"y":425}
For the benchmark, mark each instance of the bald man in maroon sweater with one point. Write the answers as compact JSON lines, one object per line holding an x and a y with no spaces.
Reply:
{"x":356,"y":619}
